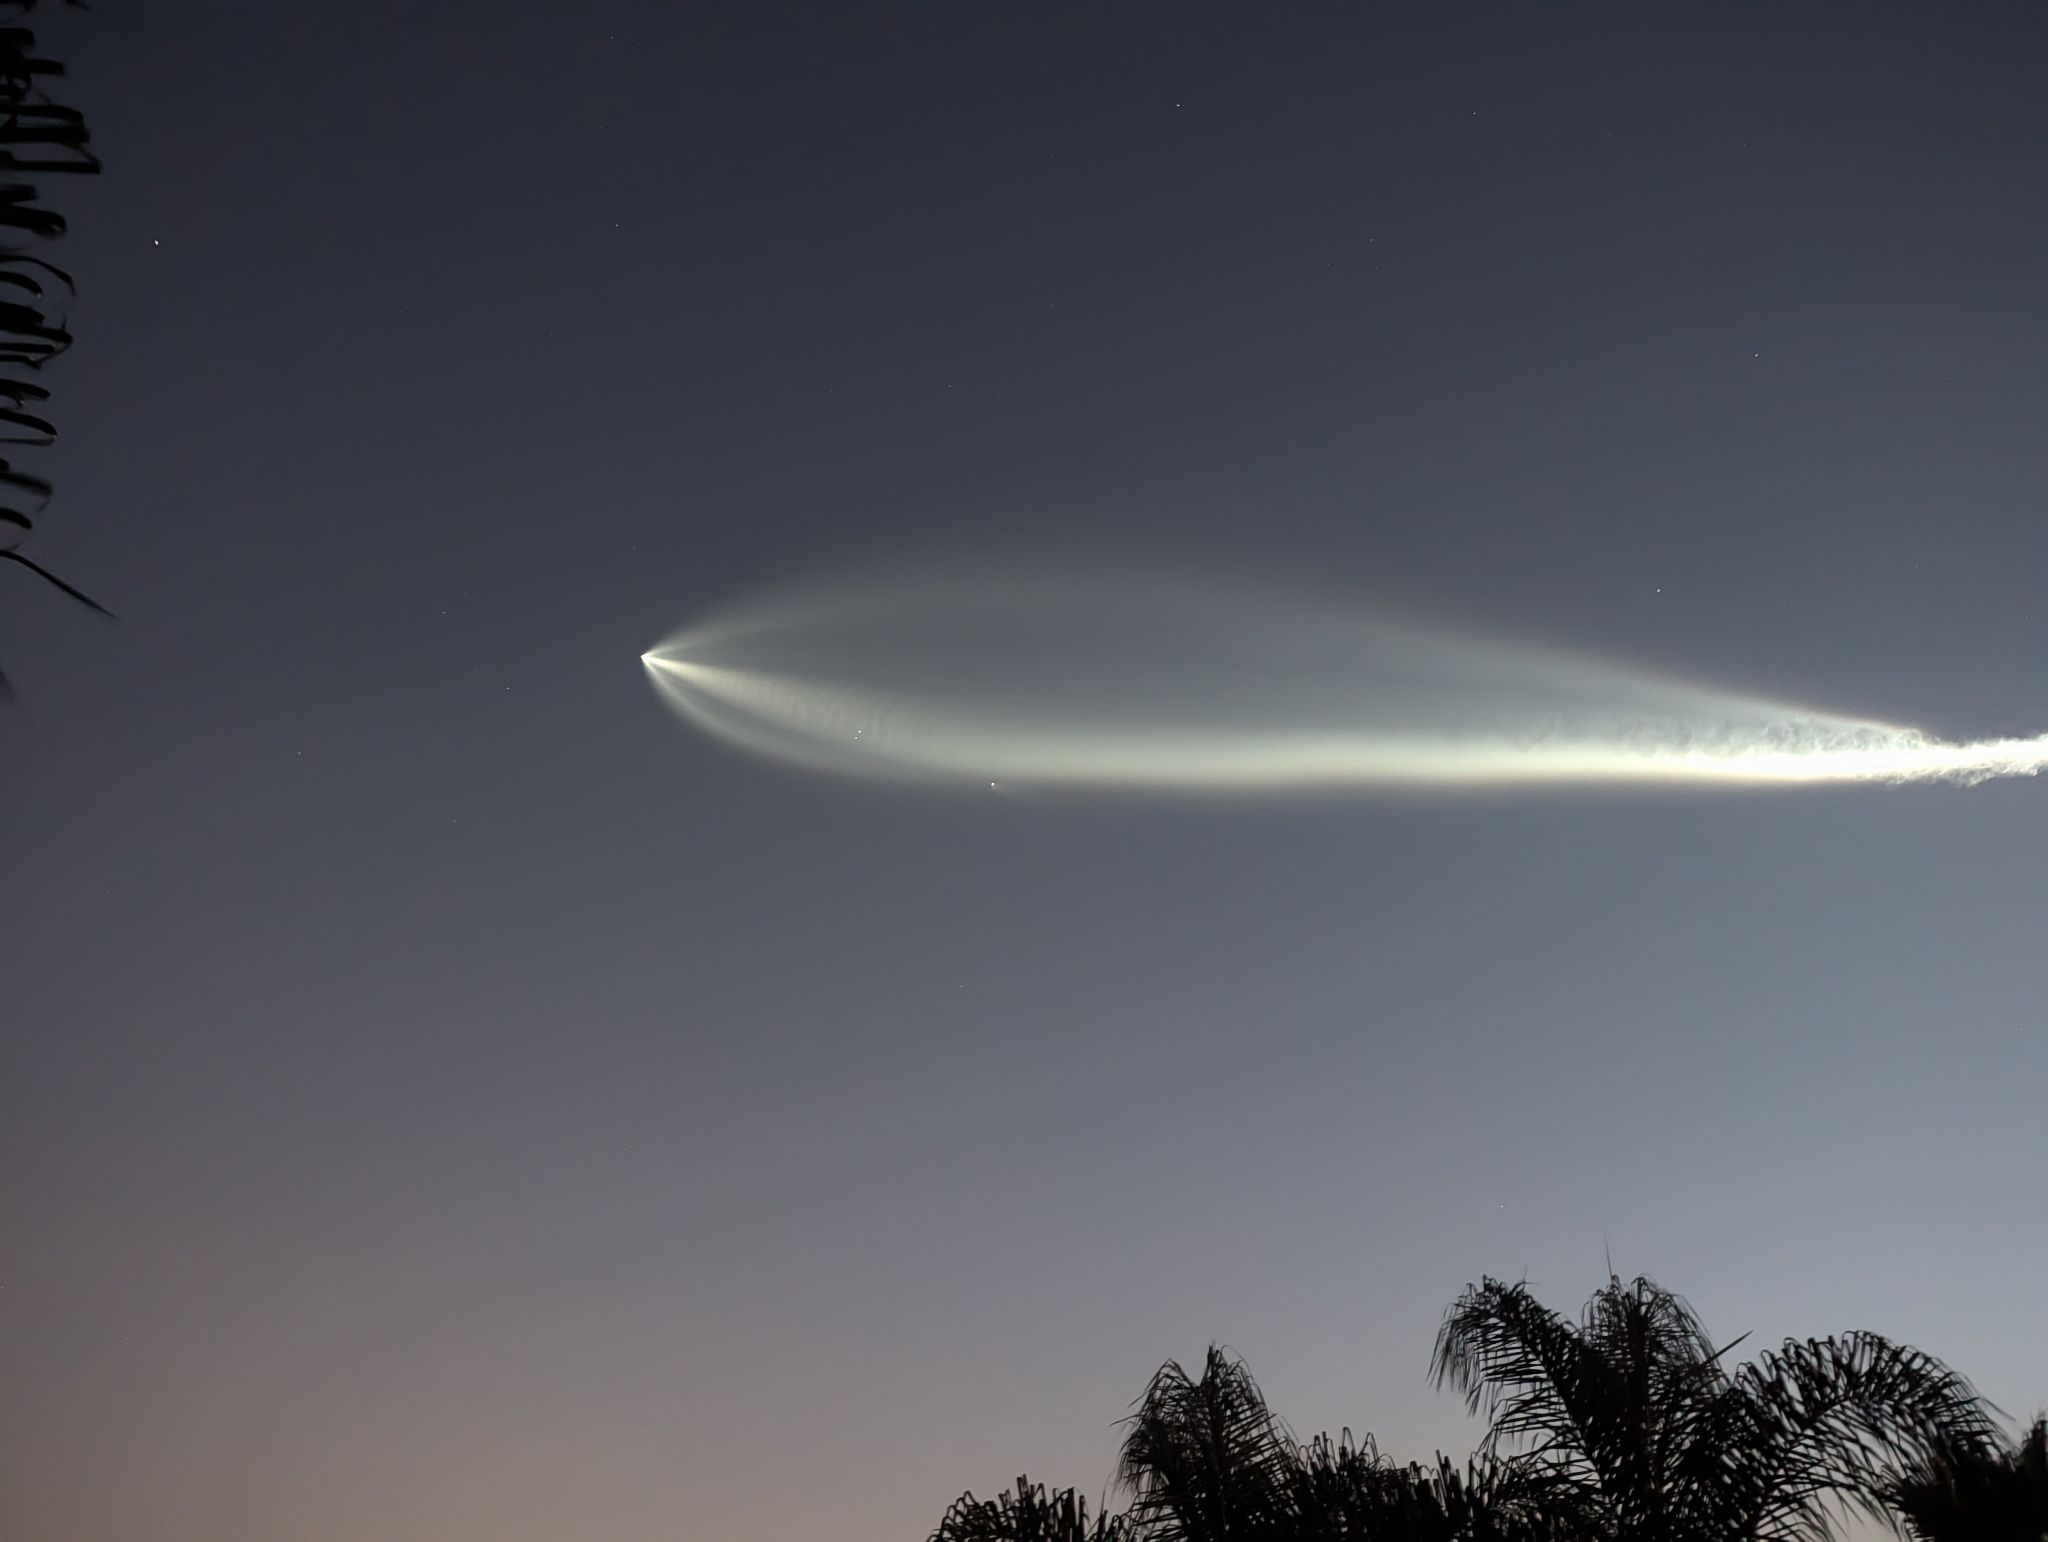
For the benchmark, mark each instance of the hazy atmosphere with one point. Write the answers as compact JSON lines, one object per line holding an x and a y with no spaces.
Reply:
{"x":448,"y":1095}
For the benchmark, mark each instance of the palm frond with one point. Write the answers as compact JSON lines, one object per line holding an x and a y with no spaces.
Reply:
{"x":1527,"y":1370}
{"x":37,"y":137}
{"x":10,"y":555}
{"x":1350,"y":1493}
{"x":1969,"y":1495}
{"x":1336,"y":1488}
{"x":1205,"y":1458}
{"x":1843,"y":1418}
{"x":1028,"y":1513}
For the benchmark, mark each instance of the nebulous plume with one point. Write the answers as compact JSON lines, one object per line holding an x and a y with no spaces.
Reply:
{"x":1095,"y":679}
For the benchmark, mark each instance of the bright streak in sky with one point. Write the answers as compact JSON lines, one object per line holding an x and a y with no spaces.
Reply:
{"x":1098,"y":680}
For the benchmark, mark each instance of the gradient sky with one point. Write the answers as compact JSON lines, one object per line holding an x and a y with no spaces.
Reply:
{"x":444,"y":1099}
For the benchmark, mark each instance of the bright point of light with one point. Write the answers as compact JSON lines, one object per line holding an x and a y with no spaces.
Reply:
{"x":1103,"y":680}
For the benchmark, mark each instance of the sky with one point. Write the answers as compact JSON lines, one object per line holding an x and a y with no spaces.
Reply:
{"x":443,"y":1096}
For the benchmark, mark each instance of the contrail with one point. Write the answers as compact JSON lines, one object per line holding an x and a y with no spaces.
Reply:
{"x":1109,"y":681}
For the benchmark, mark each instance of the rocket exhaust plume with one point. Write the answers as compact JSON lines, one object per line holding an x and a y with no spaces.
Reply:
{"x":1100,"y":680}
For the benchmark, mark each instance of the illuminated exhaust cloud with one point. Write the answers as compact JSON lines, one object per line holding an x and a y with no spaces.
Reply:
{"x":1099,"y":680}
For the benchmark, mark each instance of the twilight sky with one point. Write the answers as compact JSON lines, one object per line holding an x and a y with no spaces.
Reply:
{"x":442,"y":1098}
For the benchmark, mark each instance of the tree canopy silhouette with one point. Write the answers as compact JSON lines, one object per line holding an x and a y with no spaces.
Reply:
{"x":1978,"y":1495}
{"x":1634,"y":1411}
{"x":1627,"y":1425}
{"x":1029,"y":1514}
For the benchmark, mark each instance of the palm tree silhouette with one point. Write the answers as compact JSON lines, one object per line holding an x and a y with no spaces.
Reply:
{"x":1632,"y":1412}
{"x":1626,"y":1426}
{"x":1978,"y":1495}
{"x":1205,"y":1458}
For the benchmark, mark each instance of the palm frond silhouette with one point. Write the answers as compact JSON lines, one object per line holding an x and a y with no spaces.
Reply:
{"x":1205,"y":1458}
{"x":38,"y":136}
{"x":1999,"y":1494}
{"x":1029,"y":1513}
